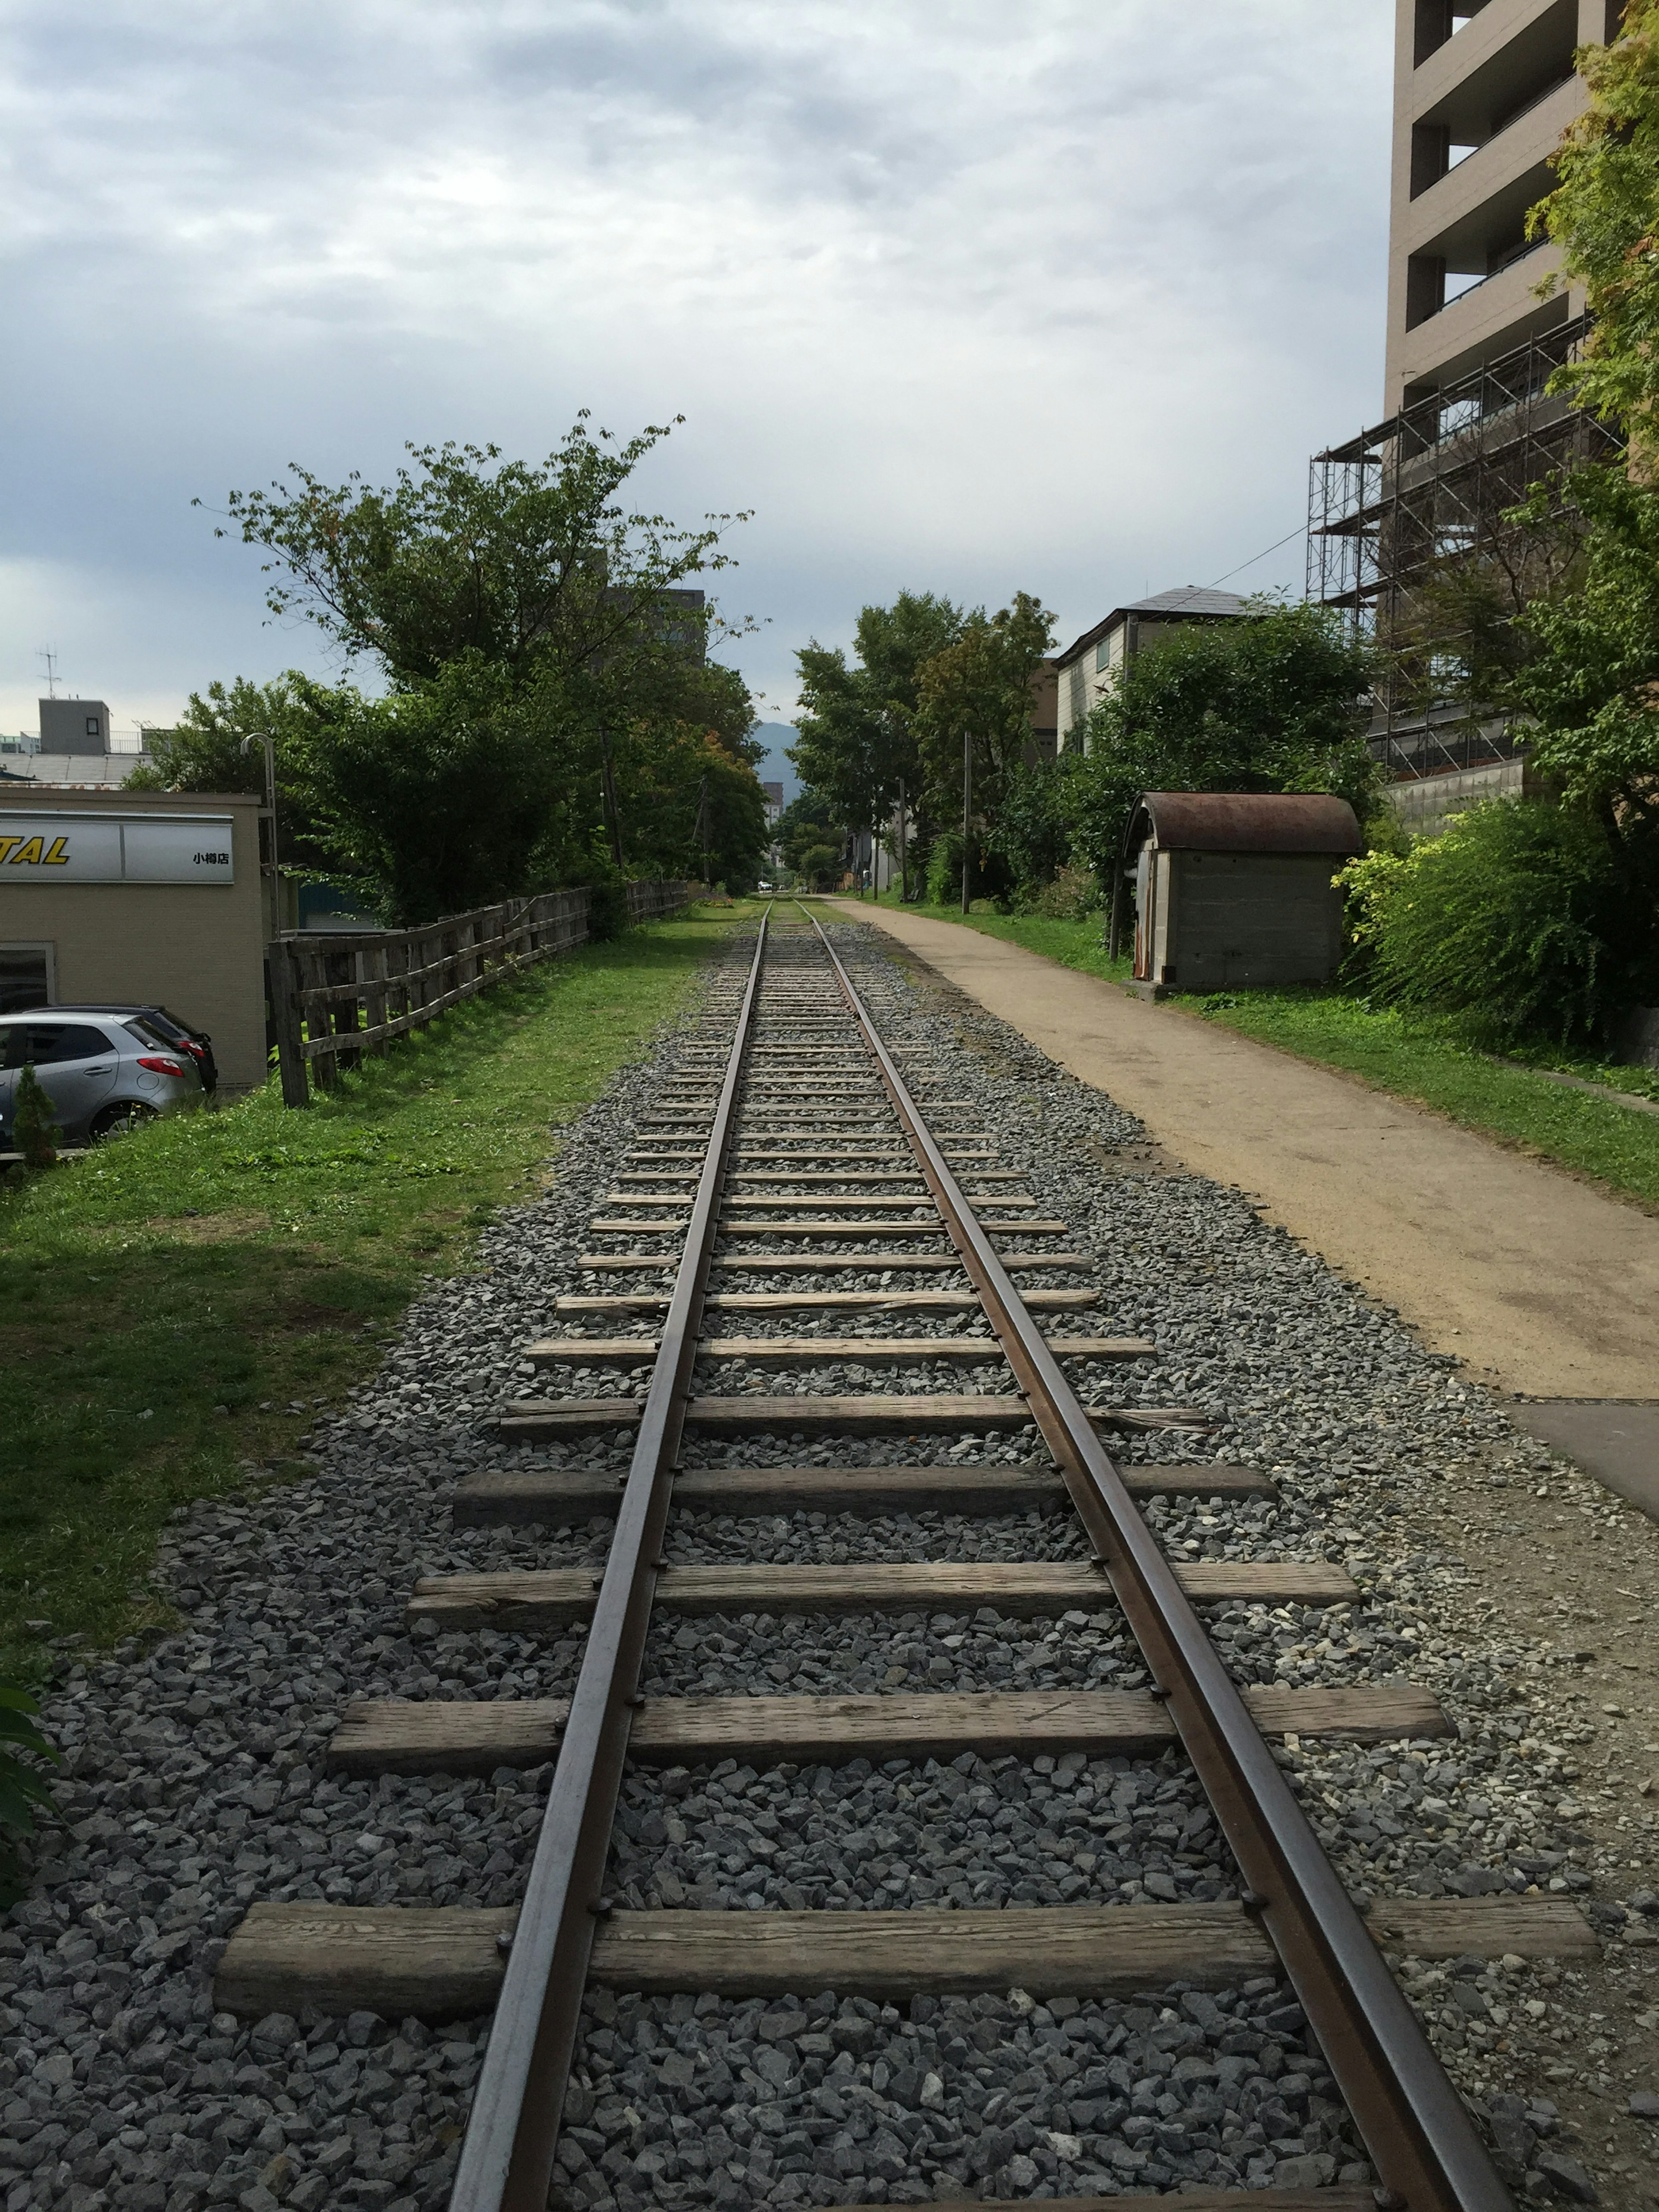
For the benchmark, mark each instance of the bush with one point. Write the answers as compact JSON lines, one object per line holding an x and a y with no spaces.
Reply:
{"x":1519,"y":914}
{"x":821,"y":866}
{"x":34,"y":1132}
{"x":1073,"y":895}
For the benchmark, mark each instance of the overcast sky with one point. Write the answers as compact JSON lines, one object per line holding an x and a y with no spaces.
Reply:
{"x":967,"y":295}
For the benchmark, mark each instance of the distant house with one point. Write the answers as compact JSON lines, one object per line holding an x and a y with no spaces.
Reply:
{"x":773,"y":794}
{"x":1086,"y":671}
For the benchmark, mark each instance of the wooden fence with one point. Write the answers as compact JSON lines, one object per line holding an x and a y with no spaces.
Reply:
{"x":334,"y":998}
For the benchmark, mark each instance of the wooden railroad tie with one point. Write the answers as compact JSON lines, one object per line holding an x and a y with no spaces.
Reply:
{"x":437,"y":1735}
{"x":562,"y":1497}
{"x":805,"y":1351}
{"x":439,"y":1963}
{"x":522,"y":1603}
{"x":762,"y":1414}
{"x":761,"y":1203}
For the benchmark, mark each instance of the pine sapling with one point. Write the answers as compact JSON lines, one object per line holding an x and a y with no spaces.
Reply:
{"x":34,"y":1132}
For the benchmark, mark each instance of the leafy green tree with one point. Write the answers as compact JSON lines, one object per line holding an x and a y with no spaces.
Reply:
{"x":857,"y":739}
{"x":523,"y":566}
{"x":810,"y":819}
{"x":434,"y":799}
{"x":204,"y":750}
{"x":979,"y":688}
{"x":1590,"y":690}
{"x":820,"y":866}
{"x":1270,"y":702}
{"x":1604,"y":214}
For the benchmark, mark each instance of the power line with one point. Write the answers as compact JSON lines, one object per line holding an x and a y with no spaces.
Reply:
{"x":1301,"y":532}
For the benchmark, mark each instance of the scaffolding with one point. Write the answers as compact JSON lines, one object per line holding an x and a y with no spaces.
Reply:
{"x":1394,"y":509}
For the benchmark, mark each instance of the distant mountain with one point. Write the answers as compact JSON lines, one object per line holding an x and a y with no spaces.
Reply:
{"x":775,"y":768}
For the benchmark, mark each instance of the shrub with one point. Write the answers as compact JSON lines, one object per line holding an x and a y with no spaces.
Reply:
{"x":34,"y":1132}
{"x":821,"y":866}
{"x":1073,"y":895}
{"x":1519,"y":914}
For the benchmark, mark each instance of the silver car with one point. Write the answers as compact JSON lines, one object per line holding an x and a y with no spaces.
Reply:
{"x":101,"y":1076}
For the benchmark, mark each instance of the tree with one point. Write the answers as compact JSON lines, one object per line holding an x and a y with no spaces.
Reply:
{"x":979,"y":688}
{"x":204,"y":750}
{"x":1604,"y":214}
{"x":856,"y":741}
{"x":34,"y":1131}
{"x":522,"y":566}
{"x":1590,"y":688}
{"x":809,"y":820}
{"x":1269,"y":703}
{"x":433,"y":800}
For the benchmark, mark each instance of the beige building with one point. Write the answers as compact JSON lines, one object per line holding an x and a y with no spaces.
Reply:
{"x":1091,"y":664}
{"x":1483,"y":91}
{"x":137,"y":898}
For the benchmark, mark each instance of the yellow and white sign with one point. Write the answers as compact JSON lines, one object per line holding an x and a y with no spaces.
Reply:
{"x":115,"y":848}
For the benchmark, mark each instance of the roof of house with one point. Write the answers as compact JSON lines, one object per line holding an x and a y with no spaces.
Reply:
{"x":1245,"y":821}
{"x":1187,"y":603}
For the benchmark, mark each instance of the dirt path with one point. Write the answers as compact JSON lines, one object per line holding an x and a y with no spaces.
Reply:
{"x":1542,"y":1285}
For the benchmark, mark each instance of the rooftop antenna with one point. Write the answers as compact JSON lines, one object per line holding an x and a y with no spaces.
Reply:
{"x":49,"y":657}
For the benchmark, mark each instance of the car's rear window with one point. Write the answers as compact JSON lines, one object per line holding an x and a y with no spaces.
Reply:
{"x":45,"y":1043}
{"x":147,"y":1033}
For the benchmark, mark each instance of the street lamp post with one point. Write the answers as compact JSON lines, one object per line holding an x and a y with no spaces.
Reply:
{"x":264,"y":739}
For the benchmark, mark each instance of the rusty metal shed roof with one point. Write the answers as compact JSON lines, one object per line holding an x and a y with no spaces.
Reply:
{"x":1245,"y":821}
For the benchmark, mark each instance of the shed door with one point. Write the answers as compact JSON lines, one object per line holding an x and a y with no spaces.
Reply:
{"x":1143,"y":967}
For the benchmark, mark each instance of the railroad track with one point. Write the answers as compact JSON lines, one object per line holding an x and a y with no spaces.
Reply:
{"x":807,"y":1197}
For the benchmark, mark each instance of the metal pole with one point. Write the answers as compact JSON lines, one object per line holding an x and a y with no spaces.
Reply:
{"x":966,"y":808}
{"x":263,"y":738}
{"x":904,"y":852}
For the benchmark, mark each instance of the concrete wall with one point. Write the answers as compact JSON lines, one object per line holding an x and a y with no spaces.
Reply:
{"x":196,"y":948}
{"x":1426,"y":805}
{"x":1224,"y":917}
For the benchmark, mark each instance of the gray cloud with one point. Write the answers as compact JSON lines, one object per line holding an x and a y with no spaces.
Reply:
{"x":956,"y":295}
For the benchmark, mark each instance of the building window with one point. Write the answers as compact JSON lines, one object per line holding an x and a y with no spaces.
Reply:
{"x":1076,"y":693}
{"x":93,"y":728}
{"x":25,"y":977}
{"x":1104,"y":654}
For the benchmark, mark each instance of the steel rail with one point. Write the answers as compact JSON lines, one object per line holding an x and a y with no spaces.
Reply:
{"x":1415,"y":2126}
{"x":507,"y":2158}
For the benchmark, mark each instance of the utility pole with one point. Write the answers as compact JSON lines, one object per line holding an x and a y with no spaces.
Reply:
{"x":966,"y":808}
{"x":607,"y":787}
{"x":701,"y":828}
{"x":904,"y":863}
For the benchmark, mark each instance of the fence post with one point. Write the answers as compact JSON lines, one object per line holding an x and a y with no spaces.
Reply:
{"x":284,"y":987}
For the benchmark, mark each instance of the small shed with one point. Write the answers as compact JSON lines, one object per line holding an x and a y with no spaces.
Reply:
{"x":1235,"y":887}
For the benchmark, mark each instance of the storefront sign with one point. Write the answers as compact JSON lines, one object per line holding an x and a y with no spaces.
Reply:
{"x":115,"y":848}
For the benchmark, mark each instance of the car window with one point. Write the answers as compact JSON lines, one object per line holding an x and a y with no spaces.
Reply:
{"x":147,"y":1031}
{"x":45,"y":1043}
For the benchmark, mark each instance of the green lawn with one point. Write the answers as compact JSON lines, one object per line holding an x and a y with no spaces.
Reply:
{"x":1431,"y":1062}
{"x":179,"y":1303}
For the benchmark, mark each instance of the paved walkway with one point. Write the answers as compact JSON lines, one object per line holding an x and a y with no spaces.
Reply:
{"x":1543,"y":1286}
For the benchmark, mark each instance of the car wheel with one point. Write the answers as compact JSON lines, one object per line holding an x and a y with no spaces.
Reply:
{"x":118,"y":1120}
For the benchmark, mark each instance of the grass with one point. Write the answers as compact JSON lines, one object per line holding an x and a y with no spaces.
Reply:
{"x":1074,"y":944}
{"x":1435,"y":1063}
{"x":181,"y":1302}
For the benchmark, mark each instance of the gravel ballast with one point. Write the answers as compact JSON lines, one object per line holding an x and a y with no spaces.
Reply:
{"x":197,"y":1781}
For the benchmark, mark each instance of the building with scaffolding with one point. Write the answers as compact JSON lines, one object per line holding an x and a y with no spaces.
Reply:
{"x":1482,"y":94}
